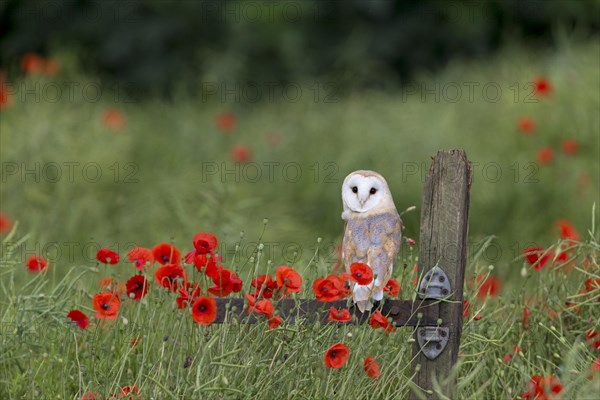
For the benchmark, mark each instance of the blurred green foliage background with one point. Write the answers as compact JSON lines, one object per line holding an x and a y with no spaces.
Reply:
{"x":92,"y":156}
{"x":153,"y":44}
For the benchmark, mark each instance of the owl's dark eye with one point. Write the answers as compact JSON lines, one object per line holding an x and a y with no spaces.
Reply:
{"x":373,"y":191}
{"x":354,"y":189}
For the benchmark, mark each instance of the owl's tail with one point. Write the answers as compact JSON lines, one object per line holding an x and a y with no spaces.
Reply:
{"x":362,"y":296}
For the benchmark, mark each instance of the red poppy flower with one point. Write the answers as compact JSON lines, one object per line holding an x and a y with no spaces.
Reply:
{"x":542,"y":86}
{"x":141,"y":257}
{"x":129,"y":391}
{"x":526,"y":125}
{"x":562,"y":258}
{"x":545,"y":155}
{"x":190,"y":257}
{"x":32,"y":63}
{"x":170,"y":276}
{"x":222,"y":285}
{"x":392,"y":288}
{"x":331,"y":288}
{"x":5,"y":223}
{"x":265,"y":286}
{"x":567,"y":230}
{"x":570,"y":146}
{"x":361,"y":273}
{"x":36,"y":263}
{"x":536,"y":258}
{"x":89,"y":395}
{"x":187,"y":295}
{"x":490,"y":287}
{"x":78,"y":318}
{"x":288,"y":280}
{"x":371,"y":367}
{"x":114,"y":119}
{"x":166,"y":253}
{"x":107,"y":256}
{"x":525,"y":323}
{"x":274,"y":322}
{"x":507,"y":358}
{"x":204,"y":310}
{"x":206,"y":262}
{"x":226,"y":122}
{"x":107,"y":305}
{"x":212,"y":268}
{"x":596,"y":366}
{"x":341,"y":315}
{"x":593,"y":338}
{"x":543,"y":388}
{"x":241,"y":154}
{"x":205,"y":242}
{"x":378,"y":320}
{"x":517,"y":349}
{"x":344,"y":277}
{"x":137,"y":287}
{"x":592,"y":284}
{"x":552,"y":314}
{"x":5,"y":100}
{"x":336,"y":356}
{"x":264,"y":307}
{"x":466,"y":308}
{"x":225,"y":282}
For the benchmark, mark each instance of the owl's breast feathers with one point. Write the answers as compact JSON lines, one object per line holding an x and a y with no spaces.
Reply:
{"x":373,"y":239}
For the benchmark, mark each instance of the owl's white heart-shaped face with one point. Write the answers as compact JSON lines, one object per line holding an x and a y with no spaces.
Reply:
{"x":362,"y":193}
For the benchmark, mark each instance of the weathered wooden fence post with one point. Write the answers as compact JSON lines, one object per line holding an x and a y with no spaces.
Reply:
{"x":443,"y":245}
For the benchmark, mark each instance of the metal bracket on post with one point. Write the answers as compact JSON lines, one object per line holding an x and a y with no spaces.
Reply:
{"x":432,"y":340}
{"x":434,"y":285}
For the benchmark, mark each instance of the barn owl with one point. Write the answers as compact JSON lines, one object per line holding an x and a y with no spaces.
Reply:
{"x":372,"y":234}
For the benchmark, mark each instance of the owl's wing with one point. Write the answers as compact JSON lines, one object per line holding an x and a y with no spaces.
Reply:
{"x":355,"y":249}
{"x":385,"y":237}
{"x":355,"y":244}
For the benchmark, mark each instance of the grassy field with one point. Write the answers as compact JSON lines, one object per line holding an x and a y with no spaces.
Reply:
{"x":120,"y":172}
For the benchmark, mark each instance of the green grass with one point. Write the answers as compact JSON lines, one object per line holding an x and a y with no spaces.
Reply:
{"x":45,"y":357}
{"x":168,"y":145}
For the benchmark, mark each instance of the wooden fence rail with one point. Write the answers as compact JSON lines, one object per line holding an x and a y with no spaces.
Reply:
{"x":400,"y":312}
